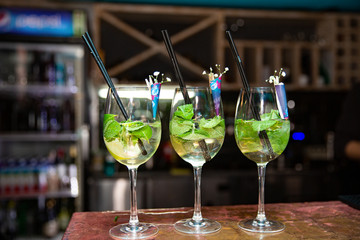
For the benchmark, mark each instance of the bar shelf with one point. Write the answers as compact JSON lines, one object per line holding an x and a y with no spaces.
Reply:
{"x":39,"y":137}
{"x":35,"y":195}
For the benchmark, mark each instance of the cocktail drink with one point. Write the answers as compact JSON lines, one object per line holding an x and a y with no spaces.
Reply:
{"x":121,"y":139}
{"x":262,"y":135}
{"x":132,"y":142}
{"x":186,"y":132}
{"x":197,"y":133}
{"x":251,"y":145}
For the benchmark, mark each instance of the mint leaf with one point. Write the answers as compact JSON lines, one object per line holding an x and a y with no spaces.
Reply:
{"x":108,"y":117}
{"x":185,"y":111}
{"x":262,"y":125}
{"x":179,"y":126}
{"x":133,"y":126}
{"x":137,"y":130}
{"x":111,"y":127}
{"x":211,"y":123}
{"x":196,"y":135}
{"x":215,"y":127}
{"x":217,"y":132}
{"x":144,"y":132}
{"x":279,"y":136}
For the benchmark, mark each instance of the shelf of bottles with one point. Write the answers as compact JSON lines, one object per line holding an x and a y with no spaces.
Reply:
{"x":38,"y":87}
{"x":40,"y":136}
{"x":51,"y":176}
{"x":40,"y":114}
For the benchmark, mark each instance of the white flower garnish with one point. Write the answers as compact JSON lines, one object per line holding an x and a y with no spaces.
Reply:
{"x":154,"y":79}
{"x":276,"y":78}
{"x":216,"y":75}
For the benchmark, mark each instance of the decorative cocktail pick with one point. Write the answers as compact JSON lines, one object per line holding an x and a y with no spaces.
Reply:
{"x":155,"y":86}
{"x":280,"y":92}
{"x":215,"y":86}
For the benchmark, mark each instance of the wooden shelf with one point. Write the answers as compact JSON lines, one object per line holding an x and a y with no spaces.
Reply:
{"x":313,"y":42}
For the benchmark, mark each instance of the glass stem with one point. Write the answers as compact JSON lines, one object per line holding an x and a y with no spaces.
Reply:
{"x":261,"y":218}
{"x":197,"y":203}
{"x":133,"y":202}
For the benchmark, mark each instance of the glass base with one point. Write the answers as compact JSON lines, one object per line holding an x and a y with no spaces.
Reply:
{"x":269,"y":226}
{"x":204,"y":226}
{"x":126,"y":231}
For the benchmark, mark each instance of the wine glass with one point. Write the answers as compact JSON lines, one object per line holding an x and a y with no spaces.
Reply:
{"x":197,"y":134}
{"x":131,"y":142}
{"x":260,"y":141}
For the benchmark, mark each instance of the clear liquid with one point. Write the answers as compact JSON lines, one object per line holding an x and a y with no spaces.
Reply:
{"x":129,"y":154}
{"x":261,"y":157}
{"x":191,"y":152}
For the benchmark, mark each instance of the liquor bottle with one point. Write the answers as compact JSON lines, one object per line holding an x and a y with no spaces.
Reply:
{"x":35,"y":68}
{"x":64,"y":180}
{"x":50,"y":227}
{"x":11,"y":216}
{"x":49,"y":73}
{"x":42,"y":170}
{"x":64,"y":215}
{"x":41,"y":215}
{"x":31,"y":115}
{"x":59,"y":71}
{"x":52,"y":174}
{"x":70,"y":73}
{"x":67,"y":116}
{"x":21,"y":66}
{"x":54,"y":124}
{"x":42,"y":117}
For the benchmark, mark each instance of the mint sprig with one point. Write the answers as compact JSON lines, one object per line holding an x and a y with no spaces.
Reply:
{"x":179,"y":126}
{"x":185,"y":111}
{"x":183,"y":126}
{"x":121,"y":130}
{"x":112,"y":128}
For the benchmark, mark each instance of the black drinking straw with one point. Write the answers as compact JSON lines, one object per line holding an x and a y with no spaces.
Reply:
{"x":262,"y":134}
{"x":87,"y":39}
{"x":173,"y":58}
{"x":180,"y":79}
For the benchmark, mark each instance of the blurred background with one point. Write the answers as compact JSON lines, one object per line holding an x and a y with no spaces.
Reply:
{"x":53,"y":161}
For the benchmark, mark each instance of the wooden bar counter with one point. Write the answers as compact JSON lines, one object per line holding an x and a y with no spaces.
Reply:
{"x":312,"y":220}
